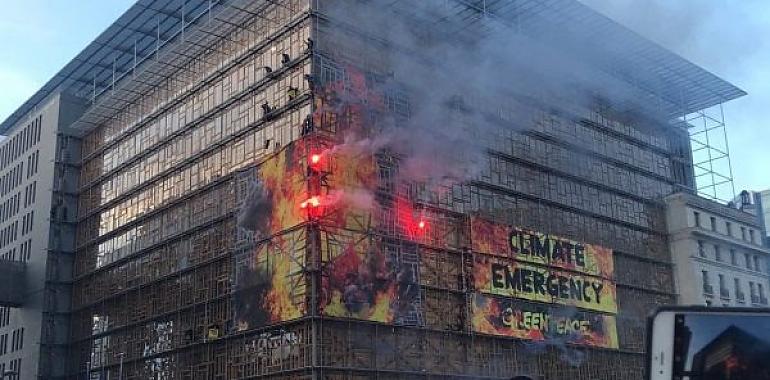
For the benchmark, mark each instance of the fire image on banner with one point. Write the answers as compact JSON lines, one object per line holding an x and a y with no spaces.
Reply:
{"x":366,"y":280}
{"x":572,"y":283}
{"x":365,"y":275}
{"x":269,"y":284}
{"x":524,"y":320}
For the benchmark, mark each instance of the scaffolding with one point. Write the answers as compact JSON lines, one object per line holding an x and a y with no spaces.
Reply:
{"x":234,"y":223}
{"x":710,"y":154}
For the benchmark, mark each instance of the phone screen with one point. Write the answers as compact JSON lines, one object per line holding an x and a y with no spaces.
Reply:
{"x":721,"y":346}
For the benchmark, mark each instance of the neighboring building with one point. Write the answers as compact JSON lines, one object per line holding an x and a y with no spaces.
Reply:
{"x":718,"y":253}
{"x":756,"y":203}
{"x":328,"y":189}
{"x":38,"y":207}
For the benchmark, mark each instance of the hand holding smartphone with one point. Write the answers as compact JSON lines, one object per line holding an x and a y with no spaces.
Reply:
{"x":699,"y":343}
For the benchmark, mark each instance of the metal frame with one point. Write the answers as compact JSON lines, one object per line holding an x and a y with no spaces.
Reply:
{"x":711,"y":164}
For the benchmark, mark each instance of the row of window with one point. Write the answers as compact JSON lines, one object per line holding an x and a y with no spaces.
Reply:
{"x":728,"y":228}
{"x":14,"y":366}
{"x":17,"y":339}
{"x":751,"y":262}
{"x":32,"y":162}
{"x":168,"y":90}
{"x":15,"y":176}
{"x":30,"y":193}
{"x":10,"y":207}
{"x":756,"y":290}
{"x":9,"y":234}
{"x":202,"y":102}
{"x":225,"y":123}
{"x":11,"y":179}
{"x":21,"y":142}
{"x":10,"y":255}
{"x":5,"y":316}
{"x":27,"y":222}
{"x":234,"y":155}
{"x":25,"y":251}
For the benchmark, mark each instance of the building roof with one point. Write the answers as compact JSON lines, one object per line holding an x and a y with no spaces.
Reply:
{"x":150,"y":25}
{"x":146,"y":26}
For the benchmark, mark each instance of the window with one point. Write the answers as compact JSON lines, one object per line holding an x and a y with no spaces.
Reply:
{"x":707,"y":289}
{"x":748,"y":260}
{"x":761,"y":291}
{"x":713,"y":223}
{"x":738,"y":292}
{"x":701,"y":249}
{"x":717,"y":253}
{"x":743,"y":233}
{"x":757,"y":267}
{"x":729,"y":228}
{"x":696,"y":215}
{"x":5,"y":316}
{"x":733,"y":257}
{"x":752,"y":291}
{"x":751,"y":236}
{"x":723,"y":292}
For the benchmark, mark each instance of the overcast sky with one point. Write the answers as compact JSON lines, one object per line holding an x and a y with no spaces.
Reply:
{"x":729,"y":38}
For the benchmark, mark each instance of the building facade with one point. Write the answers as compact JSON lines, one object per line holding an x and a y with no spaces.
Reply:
{"x":349,"y":190}
{"x":756,"y":203}
{"x":38,"y":171}
{"x":718,"y":253}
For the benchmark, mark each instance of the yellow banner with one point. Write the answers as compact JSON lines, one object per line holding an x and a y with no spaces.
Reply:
{"x":543,"y":284}
{"x":523,"y":320}
{"x":539,"y":248}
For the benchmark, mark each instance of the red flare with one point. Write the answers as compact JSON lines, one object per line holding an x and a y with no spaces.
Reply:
{"x":316,"y":158}
{"x":312,"y":202}
{"x":421,"y":225}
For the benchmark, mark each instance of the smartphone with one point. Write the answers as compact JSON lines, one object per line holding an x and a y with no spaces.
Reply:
{"x":706,"y":343}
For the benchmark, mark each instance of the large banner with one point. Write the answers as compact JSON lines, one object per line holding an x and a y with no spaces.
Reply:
{"x":270,"y":284}
{"x":539,"y":248}
{"x":523,"y":320}
{"x":366,"y":278}
{"x":526,"y":281}
{"x":531,"y":285}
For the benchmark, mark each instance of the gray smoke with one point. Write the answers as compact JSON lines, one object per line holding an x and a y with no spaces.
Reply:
{"x":464,"y":89}
{"x":254,"y":214}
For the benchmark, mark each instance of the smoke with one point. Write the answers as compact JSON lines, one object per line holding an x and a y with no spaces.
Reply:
{"x":464,"y":90}
{"x":255,"y":212}
{"x":468,"y":83}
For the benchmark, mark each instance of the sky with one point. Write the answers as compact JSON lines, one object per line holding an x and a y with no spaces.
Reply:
{"x":726,"y":37}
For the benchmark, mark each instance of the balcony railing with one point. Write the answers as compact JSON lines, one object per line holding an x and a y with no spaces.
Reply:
{"x":708,"y":289}
{"x":754,"y":299}
{"x":724,"y":293}
{"x":740,"y":296}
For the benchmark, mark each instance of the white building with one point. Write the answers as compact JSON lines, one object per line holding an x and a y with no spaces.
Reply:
{"x":38,"y":211}
{"x":756,"y":203}
{"x":717,"y":253}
